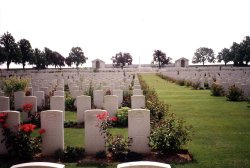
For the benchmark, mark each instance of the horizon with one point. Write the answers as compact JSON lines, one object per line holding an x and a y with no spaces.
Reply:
{"x":104,"y":28}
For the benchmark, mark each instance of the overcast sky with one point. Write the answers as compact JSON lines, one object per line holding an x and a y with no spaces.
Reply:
{"x":103,"y":28}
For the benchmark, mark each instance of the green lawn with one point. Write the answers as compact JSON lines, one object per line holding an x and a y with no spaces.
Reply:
{"x":222,"y":128}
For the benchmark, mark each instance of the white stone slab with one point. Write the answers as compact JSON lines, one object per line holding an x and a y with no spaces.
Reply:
{"x":139,"y":129}
{"x":4,"y":103}
{"x":83,"y":104}
{"x":111,"y":104}
{"x":38,"y":165}
{"x":94,"y":141}
{"x":53,"y":139}
{"x":137,"y":102}
{"x":143,"y":164}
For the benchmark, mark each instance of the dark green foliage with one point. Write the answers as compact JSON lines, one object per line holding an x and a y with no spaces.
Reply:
{"x":169,"y":135}
{"x":122,"y":116}
{"x":234,"y":94}
{"x":70,"y":124}
{"x":196,"y":85}
{"x":100,"y":155}
{"x":118,"y":146}
{"x":158,"y":109}
{"x":217,"y":90}
{"x":121,"y":59}
{"x":180,"y":82}
{"x":202,"y":55}
{"x":127,"y":99}
{"x":70,"y":154}
{"x":161,"y":58}
{"x":69,"y":104}
{"x":76,"y":56}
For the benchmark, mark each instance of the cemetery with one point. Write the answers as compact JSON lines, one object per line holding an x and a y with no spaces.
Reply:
{"x":121,"y":118}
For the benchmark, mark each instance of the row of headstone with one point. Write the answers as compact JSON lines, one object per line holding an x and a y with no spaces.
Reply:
{"x":53,"y":123}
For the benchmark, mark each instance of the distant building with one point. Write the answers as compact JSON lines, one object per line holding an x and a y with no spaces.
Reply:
{"x":182,"y":62}
{"x":97,"y":63}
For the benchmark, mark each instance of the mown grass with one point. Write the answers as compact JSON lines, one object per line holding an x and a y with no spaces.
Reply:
{"x":222,"y":128}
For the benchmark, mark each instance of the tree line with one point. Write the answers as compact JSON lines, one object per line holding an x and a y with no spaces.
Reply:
{"x":239,"y":54}
{"x":21,"y":52}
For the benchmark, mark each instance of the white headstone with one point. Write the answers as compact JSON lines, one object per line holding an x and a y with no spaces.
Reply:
{"x":18,"y":99}
{"x":94,"y":141}
{"x":137,"y":92}
{"x":83,"y":104}
{"x":59,"y":93}
{"x":45,"y":89}
{"x":143,"y":164}
{"x":40,"y":98}
{"x":139,"y":129}
{"x":53,"y":139}
{"x":119,"y":94}
{"x":111,"y":104}
{"x":4,"y":103}
{"x":137,"y":102}
{"x":98,"y":98}
{"x":38,"y":165}
{"x":57,"y":103}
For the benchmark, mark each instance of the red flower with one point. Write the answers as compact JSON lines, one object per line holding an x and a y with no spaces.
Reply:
{"x":102,"y":116}
{"x":41,"y":131}
{"x":5,"y":126}
{"x":3,"y":115}
{"x":113,"y":119}
{"x":27,"y":107}
{"x":28,"y":127}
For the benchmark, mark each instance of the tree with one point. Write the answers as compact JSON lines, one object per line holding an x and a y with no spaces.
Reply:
{"x":49,"y":56}
{"x":235,"y":51}
{"x":11,"y":50}
{"x":2,"y":55}
{"x":26,"y":51}
{"x":247,"y":55}
{"x":57,"y":59}
{"x":225,"y":56}
{"x":121,"y":59}
{"x":202,"y":55}
{"x":69,"y":61}
{"x":76,"y":56}
{"x":39,"y":59}
{"x":161,"y":58}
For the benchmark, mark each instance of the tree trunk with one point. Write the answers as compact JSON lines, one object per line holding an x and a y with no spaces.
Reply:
{"x":8,"y":65}
{"x":203,"y":63}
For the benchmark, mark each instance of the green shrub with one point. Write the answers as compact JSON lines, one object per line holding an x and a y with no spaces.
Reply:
{"x":217,"y":90}
{"x":69,"y":104}
{"x":12,"y":85}
{"x":70,"y":124}
{"x":234,"y":94}
{"x":169,"y":135}
{"x":181,"y":82}
{"x":90,"y":92}
{"x":100,"y":155}
{"x":188,"y":83}
{"x":127,"y":99}
{"x":122,"y":116}
{"x":70,"y":154}
{"x":158,"y":109}
{"x":195,"y":85}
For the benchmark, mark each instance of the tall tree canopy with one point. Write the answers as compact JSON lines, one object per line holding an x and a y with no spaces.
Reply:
{"x":161,"y":58}
{"x":121,"y":59}
{"x":57,"y":59}
{"x":76,"y":56}
{"x":202,"y":55}
{"x":39,"y":59}
{"x":11,"y":50}
{"x":49,"y":56}
{"x":225,"y":56}
{"x":26,"y":51}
